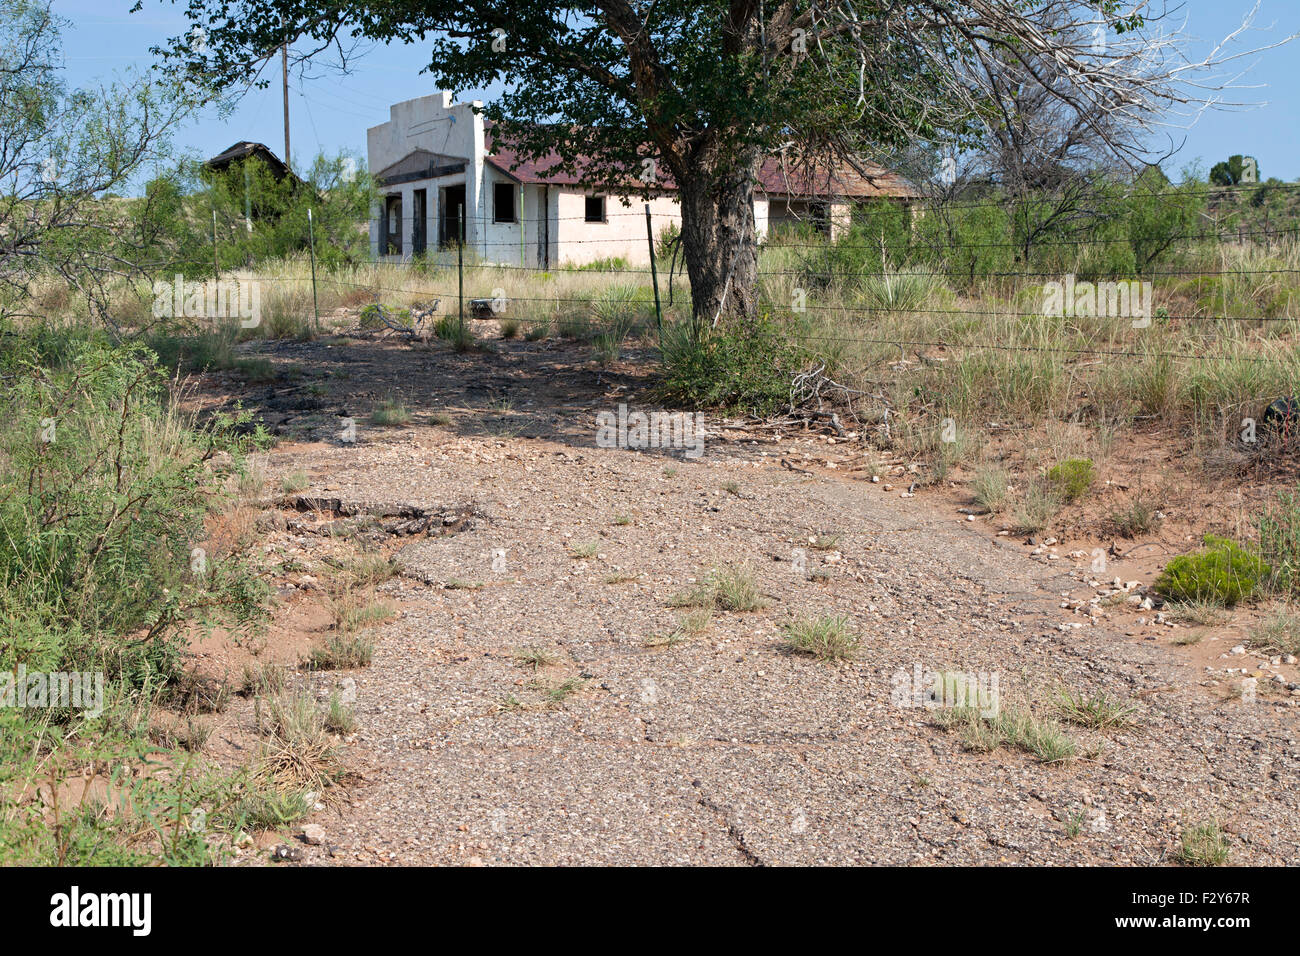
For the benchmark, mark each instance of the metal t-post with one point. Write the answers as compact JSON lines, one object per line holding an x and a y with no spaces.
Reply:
{"x":315,"y":303}
{"x":460,"y":266}
{"x":654,"y":274}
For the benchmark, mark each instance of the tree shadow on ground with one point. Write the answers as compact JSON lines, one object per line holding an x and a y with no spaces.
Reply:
{"x":550,"y":390}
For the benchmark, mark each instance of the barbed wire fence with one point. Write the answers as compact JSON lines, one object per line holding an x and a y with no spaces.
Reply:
{"x":1217,"y":300}
{"x":428,"y":273}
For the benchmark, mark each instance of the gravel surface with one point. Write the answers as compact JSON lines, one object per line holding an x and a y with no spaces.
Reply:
{"x":727,"y":748}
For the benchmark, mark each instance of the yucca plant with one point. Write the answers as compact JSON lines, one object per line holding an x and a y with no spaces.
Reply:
{"x":905,"y":290}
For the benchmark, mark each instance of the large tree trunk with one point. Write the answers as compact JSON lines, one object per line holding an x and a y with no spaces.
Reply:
{"x":719,"y":242}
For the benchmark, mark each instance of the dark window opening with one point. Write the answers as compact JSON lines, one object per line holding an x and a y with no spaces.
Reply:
{"x":595,"y":209}
{"x":503,"y":202}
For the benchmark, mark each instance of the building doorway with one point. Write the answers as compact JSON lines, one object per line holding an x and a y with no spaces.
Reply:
{"x":391,"y":240}
{"x":451,"y":227}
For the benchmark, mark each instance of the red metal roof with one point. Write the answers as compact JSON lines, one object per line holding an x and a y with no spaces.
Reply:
{"x":506,"y":158}
{"x":777,"y":178}
{"x":782,"y":177}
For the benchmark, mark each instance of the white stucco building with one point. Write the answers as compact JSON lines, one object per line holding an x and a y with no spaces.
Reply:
{"x":434,"y":161}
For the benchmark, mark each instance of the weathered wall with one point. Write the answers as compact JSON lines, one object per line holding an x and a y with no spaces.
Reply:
{"x":440,"y":126}
{"x":437,"y":124}
{"x":622,"y":235}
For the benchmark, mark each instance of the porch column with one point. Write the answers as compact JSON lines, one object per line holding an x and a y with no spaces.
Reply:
{"x":408,"y":221}
{"x":432,"y":208}
{"x":376,"y":227}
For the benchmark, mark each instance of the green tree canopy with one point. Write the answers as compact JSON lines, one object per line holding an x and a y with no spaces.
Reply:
{"x":696,"y":94}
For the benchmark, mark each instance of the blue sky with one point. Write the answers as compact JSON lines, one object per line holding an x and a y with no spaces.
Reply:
{"x":331,"y":112}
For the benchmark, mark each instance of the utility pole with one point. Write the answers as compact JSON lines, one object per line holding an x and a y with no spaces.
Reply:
{"x":284,"y":68}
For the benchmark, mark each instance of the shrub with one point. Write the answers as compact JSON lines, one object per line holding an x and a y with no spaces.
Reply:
{"x":372,"y":316}
{"x":877,"y":237}
{"x":990,"y":488}
{"x":297,"y":753}
{"x":342,"y":652}
{"x":1137,"y":518}
{"x":449,"y":328}
{"x":898,"y":292}
{"x":1203,"y":845}
{"x":826,"y":638}
{"x":339,"y":719}
{"x":1036,"y":509}
{"x":1096,"y":710}
{"x":390,"y":412}
{"x":728,"y":588}
{"x":1280,"y":631}
{"x":1045,"y":739}
{"x":103,"y":497}
{"x":206,"y":350}
{"x":746,"y":367}
{"x":1223,"y":572}
{"x":1279,"y":540}
{"x":573,"y":325}
{"x":102,"y":503}
{"x":1073,"y":477}
{"x":337,"y":201}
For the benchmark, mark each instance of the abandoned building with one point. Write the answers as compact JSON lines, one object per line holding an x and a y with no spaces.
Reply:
{"x":440,"y":177}
{"x":242,"y":151}
{"x":238,"y":161}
